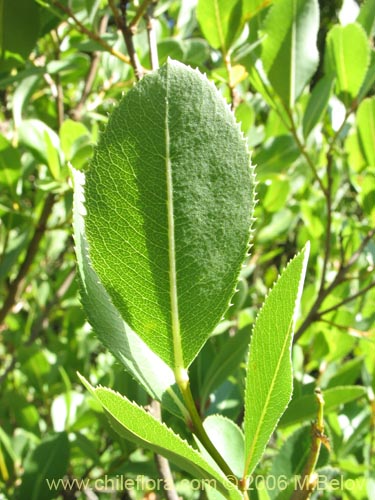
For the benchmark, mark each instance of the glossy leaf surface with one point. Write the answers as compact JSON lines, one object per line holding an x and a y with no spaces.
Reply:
{"x":347,"y":56}
{"x":290,"y":56}
{"x":219,"y":20}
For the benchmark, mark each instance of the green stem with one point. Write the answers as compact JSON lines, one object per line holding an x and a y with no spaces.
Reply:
{"x":200,"y":431}
{"x":309,"y":477}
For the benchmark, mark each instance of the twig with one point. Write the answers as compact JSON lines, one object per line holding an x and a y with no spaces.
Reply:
{"x":360,"y":249}
{"x":140,"y":12}
{"x":302,"y":148}
{"x":127,"y":32}
{"x":309,"y":477}
{"x":327,"y":243}
{"x":348,"y":299}
{"x":32,"y":249}
{"x":91,"y":34}
{"x":76,"y":113}
{"x":349,"y":111}
{"x":340,"y":277}
{"x":232,"y":88}
{"x":162,"y":463}
{"x":151,"y":36}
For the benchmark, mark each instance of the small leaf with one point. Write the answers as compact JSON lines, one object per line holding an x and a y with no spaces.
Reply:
{"x":303,"y":408}
{"x":47,"y":462}
{"x":10,"y":165}
{"x":289,"y":54}
{"x":22,"y":95}
{"x":269,"y":370}
{"x":317,"y":104}
{"x":220,"y":22}
{"x":71,"y":132}
{"x":169,"y":208}
{"x":138,"y":359}
{"x":347,"y":56}
{"x":366,"y":129}
{"x":143,"y":429}
{"x":228,"y":439}
{"x":33,"y":134}
{"x":52,"y":155}
{"x":275,"y":156}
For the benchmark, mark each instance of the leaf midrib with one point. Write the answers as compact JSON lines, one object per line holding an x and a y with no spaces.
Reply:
{"x":219,"y":26}
{"x":266,"y":405}
{"x":176,"y":334}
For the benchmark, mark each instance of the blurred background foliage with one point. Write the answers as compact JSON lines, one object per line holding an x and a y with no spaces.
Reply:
{"x":309,"y":117}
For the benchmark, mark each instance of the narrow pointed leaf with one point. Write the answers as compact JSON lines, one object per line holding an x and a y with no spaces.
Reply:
{"x":369,"y":79}
{"x":138,"y":359}
{"x":269,"y":370}
{"x":347,"y":56}
{"x":142,"y":428}
{"x":317,"y":104}
{"x":290,"y":55}
{"x":220,"y":21}
{"x":366,"y":17}
{"x":169,"y":208}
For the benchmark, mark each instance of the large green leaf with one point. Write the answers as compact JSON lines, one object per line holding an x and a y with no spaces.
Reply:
{"x":290,"y":55}
{"x":169,"y":199}
{"x":134,"y":423}
{"x":220,"y":21}
{"x":138,"y":359}
{"x":46,"y":464}
{"x":366,"y":129}
{"x":269,"y":370}
{"x":347,"y":56}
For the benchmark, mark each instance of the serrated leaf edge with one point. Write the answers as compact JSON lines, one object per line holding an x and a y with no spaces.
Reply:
{"x":288,"y":340}
{"x":213,"y":472}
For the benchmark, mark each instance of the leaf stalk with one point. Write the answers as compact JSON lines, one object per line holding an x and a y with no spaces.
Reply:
{"x":200,"y":432}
